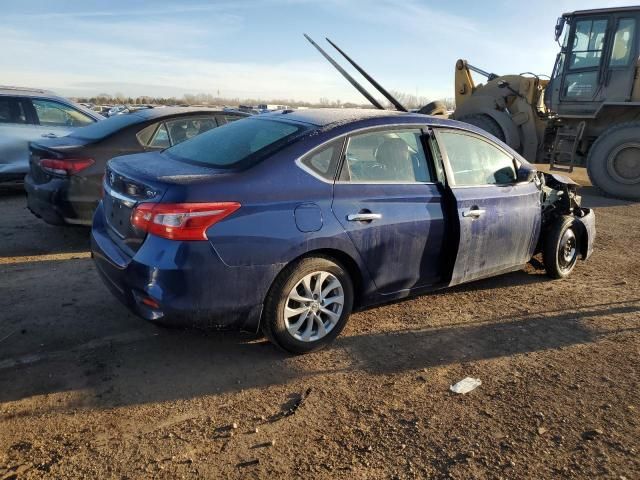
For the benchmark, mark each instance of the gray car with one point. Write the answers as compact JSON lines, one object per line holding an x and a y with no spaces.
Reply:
{"x":28,"y":114}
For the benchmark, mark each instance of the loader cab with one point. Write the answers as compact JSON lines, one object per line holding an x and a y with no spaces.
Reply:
{"x":597,"y":60}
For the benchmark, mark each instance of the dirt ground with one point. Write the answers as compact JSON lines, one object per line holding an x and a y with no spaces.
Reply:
{"x":87,"y":390}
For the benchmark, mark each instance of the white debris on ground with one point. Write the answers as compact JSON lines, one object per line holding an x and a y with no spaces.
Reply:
{"x":466,"y":385}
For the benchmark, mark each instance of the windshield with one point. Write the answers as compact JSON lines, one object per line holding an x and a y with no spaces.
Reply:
{"x":105,"y":127}
{"x":238,"y":144}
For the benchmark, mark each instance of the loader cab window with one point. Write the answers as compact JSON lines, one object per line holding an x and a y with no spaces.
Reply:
{"x":587,"y":45}
{"x":623,"y":42}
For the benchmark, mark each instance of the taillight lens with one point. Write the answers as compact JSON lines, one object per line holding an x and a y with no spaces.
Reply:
{"x":66,"y":166}
{"x":180,"y":221}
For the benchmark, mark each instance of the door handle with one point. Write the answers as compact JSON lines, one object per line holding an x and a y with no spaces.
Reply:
{"x":474,"y":213}
{"x":363,"y":217}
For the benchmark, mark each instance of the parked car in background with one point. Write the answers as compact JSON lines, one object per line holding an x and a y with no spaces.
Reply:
{"x":29,"y":114}
{"x":64,"y":183}
{"x":288,"y":222}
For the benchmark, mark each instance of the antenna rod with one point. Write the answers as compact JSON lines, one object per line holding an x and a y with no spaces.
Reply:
{"x":346,"y":75}
{"x":388,"y":96}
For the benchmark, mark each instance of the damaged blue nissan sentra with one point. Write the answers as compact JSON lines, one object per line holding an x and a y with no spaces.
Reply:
{"x":288,"y":222}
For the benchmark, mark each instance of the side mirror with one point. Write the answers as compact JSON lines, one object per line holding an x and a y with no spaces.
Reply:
{"x":525,"y":174}
{"x":559,"y":27}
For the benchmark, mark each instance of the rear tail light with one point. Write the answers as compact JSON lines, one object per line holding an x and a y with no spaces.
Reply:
{"x":180,"y":221}
{"x":66,"y":166}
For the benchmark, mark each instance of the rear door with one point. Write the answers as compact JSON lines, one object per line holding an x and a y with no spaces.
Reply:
{"x":499,"y":219}
{"x":389,"y":204}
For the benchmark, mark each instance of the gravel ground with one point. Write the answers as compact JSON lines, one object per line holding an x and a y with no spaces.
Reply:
{"x":88,"y":390}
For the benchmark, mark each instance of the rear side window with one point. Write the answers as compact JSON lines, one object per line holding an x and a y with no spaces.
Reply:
{"x":475,"y":161}
{"x":54,"y":114}
{"x":12,"y":111}
{"x":237,"y":144}
{"x":393,"y":156}
{"x":186,"y":128}
{"x":160,"y":138}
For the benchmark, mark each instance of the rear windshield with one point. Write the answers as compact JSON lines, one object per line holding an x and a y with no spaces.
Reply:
{"x":237,"y":145}
{"x":106,"y":127}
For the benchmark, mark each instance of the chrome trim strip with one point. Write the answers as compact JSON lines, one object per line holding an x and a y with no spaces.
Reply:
{"x":394,"y":126}
{"x":128,"y":201}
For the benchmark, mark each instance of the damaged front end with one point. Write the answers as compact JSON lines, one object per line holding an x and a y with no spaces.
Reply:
{"x":559,"y":199}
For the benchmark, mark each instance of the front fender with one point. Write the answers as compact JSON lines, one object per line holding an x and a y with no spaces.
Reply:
{"x":587,"y":224}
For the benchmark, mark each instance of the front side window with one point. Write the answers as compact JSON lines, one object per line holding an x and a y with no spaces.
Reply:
{"x":394,"y":156}
{"x":237,"y":144}
{"x":588,"y":44}
{"x":581,"y":85}
{"x":54,"y":114}
{"x":623,"y":42}
{"x":475,"y":162}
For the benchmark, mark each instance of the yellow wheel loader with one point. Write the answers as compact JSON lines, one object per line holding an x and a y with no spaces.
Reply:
{"x":586,"y":113}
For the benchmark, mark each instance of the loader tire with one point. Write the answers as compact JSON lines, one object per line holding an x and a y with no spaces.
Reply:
{"x":434,"y":108}
{"x":613,"y":163}
{"x":486,"y":123}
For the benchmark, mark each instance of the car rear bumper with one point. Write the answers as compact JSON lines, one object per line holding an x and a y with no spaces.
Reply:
{"x":50,"y":201}
{"x":182,"y":283}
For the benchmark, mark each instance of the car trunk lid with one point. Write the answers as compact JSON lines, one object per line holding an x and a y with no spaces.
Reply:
{"x":144,"y":178}
{"x":52,"y":148}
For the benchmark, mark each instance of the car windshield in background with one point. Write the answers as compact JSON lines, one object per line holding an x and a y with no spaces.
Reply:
{"x":237,"y":144}
{"x":105,"y":127}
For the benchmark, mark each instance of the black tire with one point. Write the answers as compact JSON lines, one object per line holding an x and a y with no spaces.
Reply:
{"x":274,"y":324}
{"x":557,"y":262}
{"x":434,"y":108}
{"x":602,"y":172}
{"x":486,"y":123}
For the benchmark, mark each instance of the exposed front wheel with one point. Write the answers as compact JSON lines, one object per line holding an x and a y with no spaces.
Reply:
{"x":561,"y":248}
{"x":308,"y":305}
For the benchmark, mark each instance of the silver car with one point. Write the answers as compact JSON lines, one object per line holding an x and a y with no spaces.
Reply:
{"x":28,"y":114}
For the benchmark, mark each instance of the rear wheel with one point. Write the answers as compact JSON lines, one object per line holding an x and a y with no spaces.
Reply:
{"x":434,"y":108}
{"x":486,"y":123}
{"x":308,"y":305}
{"x":561,"y":248}
{"x":613,"y":163}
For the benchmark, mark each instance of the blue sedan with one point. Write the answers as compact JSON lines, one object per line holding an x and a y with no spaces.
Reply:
{"x":288,"y":222}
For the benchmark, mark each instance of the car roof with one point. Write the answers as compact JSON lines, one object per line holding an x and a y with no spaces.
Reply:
{"x":159,"y":112}
{"x":25,"y":91}
{"x":323,"y":117}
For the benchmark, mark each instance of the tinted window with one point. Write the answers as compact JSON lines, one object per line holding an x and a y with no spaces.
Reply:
{"x":475,"y":161}
{"x":623,"y":42}
{"x":237,"y":144}
{"x":105,"y":127}
{"x":186,"y":128}
{"x":11,"y":111}
{"x":56,"y":114}
{"x":386,"y":156}
{"x":588,"y":44}
{"x":322,"y":162}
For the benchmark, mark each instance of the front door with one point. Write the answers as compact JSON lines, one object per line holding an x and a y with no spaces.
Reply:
{"x":499,"y":219}
{"x":391,"y":208}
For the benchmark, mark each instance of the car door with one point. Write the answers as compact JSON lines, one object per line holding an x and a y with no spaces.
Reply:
{"x":387,"y":201}
{"x":499,"y":219}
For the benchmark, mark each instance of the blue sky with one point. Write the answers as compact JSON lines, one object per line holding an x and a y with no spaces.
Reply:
{"x":249,"y":48}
